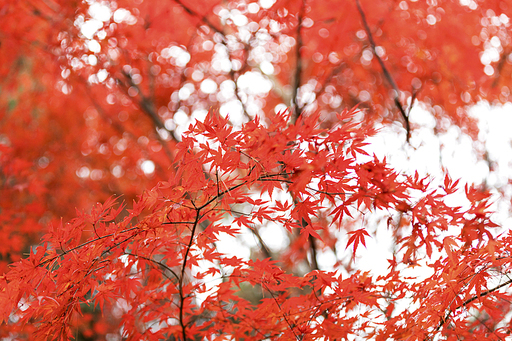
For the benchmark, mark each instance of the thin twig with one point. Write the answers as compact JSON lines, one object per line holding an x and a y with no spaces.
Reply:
{"x":385,"y":71}
{"x":297,"y":111}
{"x":314,"y":255}
{"x":156,"y":262}
{"x":468,"y":301}
{"x":183,"y":268}
{"x":235,"y":75}
{"x":284,"y":315}
{"x":82,"y":245}
{"x":146,"y":104}
{"x":499,"y":67}
{"x":203,"y":18}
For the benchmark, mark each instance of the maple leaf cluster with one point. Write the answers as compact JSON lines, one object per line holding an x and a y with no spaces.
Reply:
{"x":139,"y":138}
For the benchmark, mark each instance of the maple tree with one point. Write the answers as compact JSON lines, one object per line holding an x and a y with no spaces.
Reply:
{"x":137,"y":136}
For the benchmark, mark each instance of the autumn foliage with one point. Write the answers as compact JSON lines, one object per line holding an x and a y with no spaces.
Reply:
{"x":144,"y":143}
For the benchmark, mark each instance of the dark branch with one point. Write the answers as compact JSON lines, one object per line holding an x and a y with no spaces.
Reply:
{"x":468,"y":301}
{"x":263,"y":246}
{"x":183,"y":268}
{"x":314,"y":260}
{"x":164,"y":266}
{"x":145,"y":104}
{"x":290,"y":325}
{"x":385,"y":71}
{"x":203,"y":18}
{"x":297,"y":111}
{"x":499,"y":67}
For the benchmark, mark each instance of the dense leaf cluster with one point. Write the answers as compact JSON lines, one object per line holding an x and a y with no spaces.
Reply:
{"x":138,"y":137}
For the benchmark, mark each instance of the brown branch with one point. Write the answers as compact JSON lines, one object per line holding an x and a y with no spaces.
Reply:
{"x":468,"y":301}
{"x":263,"y":246}
{"x":283,"y":313}
{"x":224,"y":42}
{"x":183,"y":268}
{"x":385,"y":71}
{"x":122,"y":130}
{"x":163,"y":265}
{"x":203,"y":18}
{"x":335,"y":71}
{"x":147,"y":107}
{"x":234,"y":78}
{"x":145,"y":103}
{"x":297,"y":111}
{"x":499,"y":67}
{"x":65,"y":252}
{"x":314,"y":255}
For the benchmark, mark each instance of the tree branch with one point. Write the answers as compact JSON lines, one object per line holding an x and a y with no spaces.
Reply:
{"x":147,"y":107}
{"x":203,"y":18}
{"x":290,"y":325}
{"x":468,"y":301}
{"x":385,"y":71}
{"x":314,"y":261}
{"x":297,"y":111}
{"x":164,"y":266}
{"x":185,"y":258}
